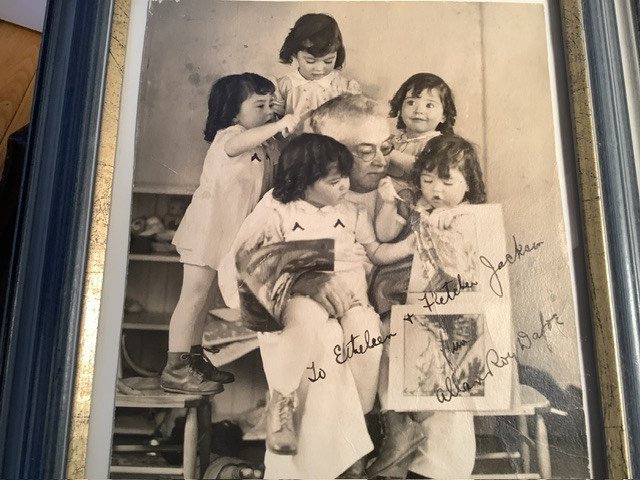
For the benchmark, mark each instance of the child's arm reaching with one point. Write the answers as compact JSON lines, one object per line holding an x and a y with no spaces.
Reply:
{"x":443,"y":218}
{"x":385,"y":253}
{"x":253,"y":137}
{"x":380,"y":253}
{"x":388,"y":223}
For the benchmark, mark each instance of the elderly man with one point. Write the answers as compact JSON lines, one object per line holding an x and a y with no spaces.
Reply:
{"x":444,"y":445}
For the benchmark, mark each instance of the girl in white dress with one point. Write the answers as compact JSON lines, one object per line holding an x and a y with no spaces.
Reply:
{"x":315,"y":43}
{"x":236,"y":172}
{"x":424,"y":108}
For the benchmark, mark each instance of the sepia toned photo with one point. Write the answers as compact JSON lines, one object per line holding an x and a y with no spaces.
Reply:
{"x":349,"y":252}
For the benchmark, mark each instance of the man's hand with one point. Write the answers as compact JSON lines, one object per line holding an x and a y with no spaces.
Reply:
{"x":326,"y":289}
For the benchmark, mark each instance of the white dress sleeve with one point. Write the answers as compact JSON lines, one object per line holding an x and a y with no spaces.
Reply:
{"x":283,"y":86}
{"x":263,"y":225}
{"x":365,"y":232}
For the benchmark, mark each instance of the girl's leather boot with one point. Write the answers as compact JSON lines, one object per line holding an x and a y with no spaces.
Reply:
{"x":180,"y":376}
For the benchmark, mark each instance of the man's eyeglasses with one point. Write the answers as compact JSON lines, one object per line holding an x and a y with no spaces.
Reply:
{"x":367,"y":152}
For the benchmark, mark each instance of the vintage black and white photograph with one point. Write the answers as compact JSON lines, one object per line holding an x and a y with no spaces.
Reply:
{"x":349,"y":248}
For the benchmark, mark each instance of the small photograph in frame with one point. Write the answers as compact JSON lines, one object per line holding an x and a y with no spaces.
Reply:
{"x":462,"y":212}
{"x":451,"y":361}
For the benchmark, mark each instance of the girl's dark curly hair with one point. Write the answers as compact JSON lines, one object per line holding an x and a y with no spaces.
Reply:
{"x":414,"y":85}
{"x":305,"y":160}
{"x":317,"y":34}
{"x":226,"y":97}
{"x":445,"y":152}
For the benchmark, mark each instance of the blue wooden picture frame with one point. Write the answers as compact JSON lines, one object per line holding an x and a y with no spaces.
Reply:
{"x":42,"y":308}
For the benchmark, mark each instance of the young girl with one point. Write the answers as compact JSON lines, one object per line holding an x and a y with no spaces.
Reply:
{"x":237,"y":171}
{"x":447,"y":180}
{"x":315,"y":43}
{"x":424,"y":107}
{"x":308,"y":203}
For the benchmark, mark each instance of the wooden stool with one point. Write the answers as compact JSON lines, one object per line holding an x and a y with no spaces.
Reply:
{"x":146,"y":393}
{"x":532,"y":403}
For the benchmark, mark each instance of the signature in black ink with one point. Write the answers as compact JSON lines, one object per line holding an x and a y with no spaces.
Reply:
{"x":519,"y":252}
{"x":451,"y":346}
{"x":453,"y":387}
{"x":450,"y":293}
{"x":320,"y":375}
{"x":409,"y":318}
{"x":448,"y":348}
{"x":525,"y":340}
{"x":349,"y":349}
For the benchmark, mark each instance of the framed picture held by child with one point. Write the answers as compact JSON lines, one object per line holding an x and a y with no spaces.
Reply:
{"x":331,"y":243}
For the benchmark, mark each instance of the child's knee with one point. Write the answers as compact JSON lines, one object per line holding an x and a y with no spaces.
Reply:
{"x":304,"y":312}
{"x":360,"y":319}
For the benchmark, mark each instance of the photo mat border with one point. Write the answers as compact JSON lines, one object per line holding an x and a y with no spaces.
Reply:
{"x":595,"y":241}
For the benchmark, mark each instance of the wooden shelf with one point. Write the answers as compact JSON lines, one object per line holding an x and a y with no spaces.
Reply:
{"x":133,"y":424}
{"x":164,"y":189}
{"x":155,"y":257}
{"x":158,"y":321}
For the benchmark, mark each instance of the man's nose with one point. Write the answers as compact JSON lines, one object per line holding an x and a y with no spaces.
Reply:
{"x":380,"y":160}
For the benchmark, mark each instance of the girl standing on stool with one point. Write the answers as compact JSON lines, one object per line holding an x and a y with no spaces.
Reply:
{"x":425,"y":109}
{"x":237,"y":171}
{"x":315,"y":43}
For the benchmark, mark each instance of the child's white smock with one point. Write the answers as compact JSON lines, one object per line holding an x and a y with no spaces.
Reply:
{"x":332,"y":433}
{"x":230,"y":188}
{"x":295,"y":94}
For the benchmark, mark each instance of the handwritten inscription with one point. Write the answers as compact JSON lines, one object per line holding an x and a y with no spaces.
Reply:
{"x":349,"y":349}
{"x":525,"y":340}
{"x":448,"y":348}
{"x":453,"y":387}
{"x":409,"y":318}
{"x":451,"y":290}
{"x":315,"y":376}
{"x":519,"y":251}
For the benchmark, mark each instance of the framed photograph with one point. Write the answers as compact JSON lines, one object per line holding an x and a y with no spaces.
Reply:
{"x":451,"y":361}
{"x":326,"y":240}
